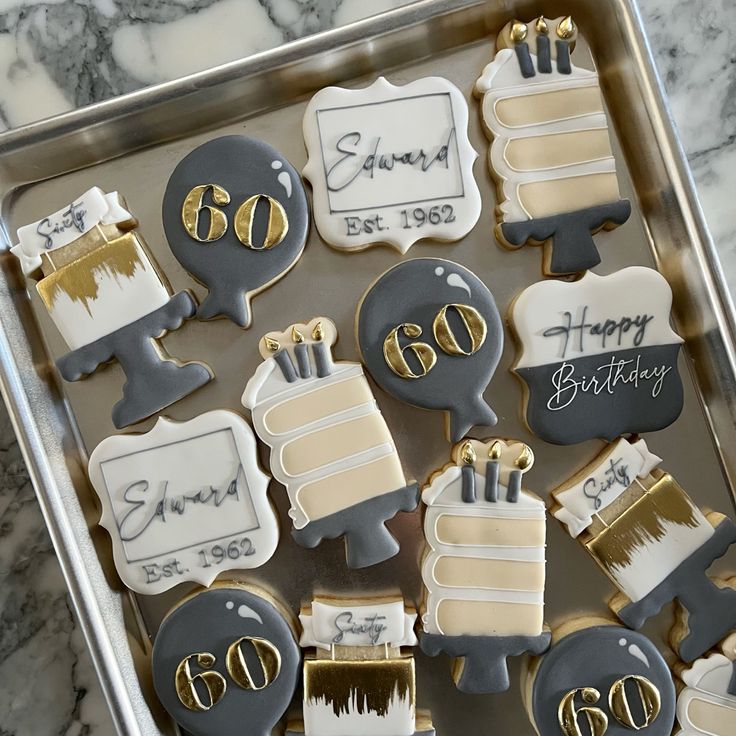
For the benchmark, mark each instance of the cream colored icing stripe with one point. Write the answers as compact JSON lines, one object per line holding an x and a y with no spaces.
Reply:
{"x":546,"y":198}
{"x":477,"y":531}
{"x":490,"y":618}
{"x":325,"y":446}
{"x":711,"y":717}
{"x":489,"y":574}
{"x":348,"y":487}
{"x":554,"y":150}
{"x":548,"y":107}
{"x":323,"y":402}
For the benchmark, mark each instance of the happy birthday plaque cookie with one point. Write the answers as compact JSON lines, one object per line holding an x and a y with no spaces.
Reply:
{"x":391,"y":164}
{"x":226,"y":656}
{"x":330,"y":445}
{"x":598,"y":357}
{"x":550,"y":153}
{"x":236,"y":217}
{"x":430,"y":334}
{"x":184,"y":502}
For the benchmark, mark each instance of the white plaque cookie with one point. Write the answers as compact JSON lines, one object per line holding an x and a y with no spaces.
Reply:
{"x":184,"y":502}
{"x":391,"y":164}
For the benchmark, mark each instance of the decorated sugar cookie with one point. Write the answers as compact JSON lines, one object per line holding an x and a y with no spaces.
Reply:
{"x":391,"y":164}
{"x":599,"y":678}
{"x":652,"y":541}
{"x":225,"y":657}
{"x":358,"y":682}
{"x":550,"y":152}
{"x":330,"y":446}
{"x":185,"y":501}
{"x":598,"y":357}
{"x":484,"y":566}
{"x":430,"y":334}
{"x":108,"y":299}
{"x":706,"y":706}
{"x":236,"y":217}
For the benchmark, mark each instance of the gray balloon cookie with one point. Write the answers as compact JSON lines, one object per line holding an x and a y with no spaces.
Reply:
{"x":603,"y":679}
{"x":236,"y":217}
{"x":430,"y":334}
{"x":223,"y":658}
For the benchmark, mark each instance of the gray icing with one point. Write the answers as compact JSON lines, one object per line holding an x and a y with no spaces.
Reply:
{"x":414,"y":291}
{"x":569,"y":234}
{"x":153,"y":382}
{"x":367,"y":541}
{"x":526,"y":65}
{"x":634,"y":390}
{"x":563,"y":57}
{"x":322,"y":359}
{"x":544,"y":56}
{"x":302,"y":359}
{"x":482,"y":666}
{"x":210,"y":622}
{"x":711,"y":611}
{"x":732,"y":681}
{"x":244,"y":167}
{"x":285,"y":363}
{"x":597,"y":657}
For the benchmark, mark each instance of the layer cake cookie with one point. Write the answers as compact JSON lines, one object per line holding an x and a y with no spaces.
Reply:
{"x":391,"y":164}
{"x":109,"y":300}
{"x":550,"y":152}
{"x":359,"y":675}
{"x":599,"y":678}
{"x":651,"y":540}
{"x":484,"y":566}
{"x":330,"y":445}
{"x":224,"y":657}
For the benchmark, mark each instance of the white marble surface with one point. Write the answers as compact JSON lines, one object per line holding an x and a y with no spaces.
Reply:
{"x":59,"y":54}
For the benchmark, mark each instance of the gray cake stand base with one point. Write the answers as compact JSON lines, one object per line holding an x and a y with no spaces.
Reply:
{"x":711,"y":611}
{"x":571,"y":233}
{"x":153,"y":381}
{"x":482,"y":667}
{"x":367,"y":541}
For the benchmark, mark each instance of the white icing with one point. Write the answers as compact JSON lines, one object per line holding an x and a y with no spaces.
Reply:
{"x":360,"y":625}
{"x":635,"y":651}
{"x":320,"y":719}
{"x":120,"y":300}
{"x":443,"y":497}
{"x":502,"y":79}
{"x":154,"y":552}
{"x":73,"y":220}
{"x":707,"y":683}
{"x":247,"y":612}
{"x":632,"y":292}
{"x":429,"y":115}
{"x":609,"y":478}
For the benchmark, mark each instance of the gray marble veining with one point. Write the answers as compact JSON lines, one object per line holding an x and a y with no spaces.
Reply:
{"x":60,"y":54}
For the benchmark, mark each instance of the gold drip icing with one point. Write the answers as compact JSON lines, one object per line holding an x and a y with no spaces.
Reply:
{"x":363,"y":686}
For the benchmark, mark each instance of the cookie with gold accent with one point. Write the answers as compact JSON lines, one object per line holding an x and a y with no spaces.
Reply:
{"x":236,"y":217}
{"x":599,"y":678}
{"x":226,"y":656}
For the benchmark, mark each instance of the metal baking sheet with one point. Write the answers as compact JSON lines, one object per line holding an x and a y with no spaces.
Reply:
{"x":131,"y":144}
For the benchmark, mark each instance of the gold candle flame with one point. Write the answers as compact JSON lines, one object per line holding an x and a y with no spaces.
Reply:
{"x":318,"y":332}
{"x":525,"y":459}
{"x":271,"y":344}
{"x":518,"y":31}
{"x":566,"y":28}
{"x":467,"y":453}
{"x":296,"y":336}
{"x":495,"y":451}
{"x":541,"y":25}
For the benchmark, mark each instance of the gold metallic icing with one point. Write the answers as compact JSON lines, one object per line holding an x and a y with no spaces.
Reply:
{"x":278,"y":222}
{"x":619,"y":704}
{"x":473,"y":322}
{"x":567,"y":713}
{"x":192,"y":206}
{"x":268,"y":656}
{"x":393,"y":353}
{"x":184,"y":682}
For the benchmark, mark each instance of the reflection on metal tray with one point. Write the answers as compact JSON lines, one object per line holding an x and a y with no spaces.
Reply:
{"x":131,"y":144}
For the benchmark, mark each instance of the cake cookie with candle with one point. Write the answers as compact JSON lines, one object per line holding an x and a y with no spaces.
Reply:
{"x":484,"y":565}
{"x":652,"y":541}
{"x":226,"y":656}
{"x":594,"y":364}
{"x":391,"y":164}
{"x":359,"y":677}
{"x":430,"y":335}
{"x":236,"y":217}
{"x":330,"y":446}
{"x":706,"y":705}
{"x":550,"y":152}
{"x":109,"y":301}
{"x":185,"y":501}
{"x":599,"y":678}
